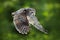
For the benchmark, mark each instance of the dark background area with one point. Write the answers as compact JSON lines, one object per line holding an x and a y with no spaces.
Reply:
{"x":47,"y":12}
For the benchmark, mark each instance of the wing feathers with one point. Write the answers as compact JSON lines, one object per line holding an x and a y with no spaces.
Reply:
{"x":21,"y":24}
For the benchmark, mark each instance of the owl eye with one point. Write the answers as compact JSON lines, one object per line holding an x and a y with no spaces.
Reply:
{"x":31,"y":12}
{"x":24,"y":10}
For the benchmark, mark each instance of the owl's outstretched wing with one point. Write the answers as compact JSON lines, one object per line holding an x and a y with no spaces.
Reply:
{"x":21,"y":24}
{"x":34,"y":21}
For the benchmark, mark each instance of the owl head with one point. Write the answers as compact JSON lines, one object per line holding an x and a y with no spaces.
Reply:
{"x":27,"y":11}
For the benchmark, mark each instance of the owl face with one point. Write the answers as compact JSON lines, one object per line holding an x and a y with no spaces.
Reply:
{"x":31,"y":11}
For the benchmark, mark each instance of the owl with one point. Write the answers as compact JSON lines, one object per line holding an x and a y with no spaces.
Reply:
{"x":25,"y":16}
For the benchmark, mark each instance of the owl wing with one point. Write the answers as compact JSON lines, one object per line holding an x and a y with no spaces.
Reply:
{"x":22,"y":24}
{"x":34,"y":21}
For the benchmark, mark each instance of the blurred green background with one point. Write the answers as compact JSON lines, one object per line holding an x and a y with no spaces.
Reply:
{"x":47,"y":12}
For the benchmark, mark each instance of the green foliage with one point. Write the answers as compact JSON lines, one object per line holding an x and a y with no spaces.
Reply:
{"x":47,"y":12}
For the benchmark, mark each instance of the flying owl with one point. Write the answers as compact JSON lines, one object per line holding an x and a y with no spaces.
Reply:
{"x":25,"y":16}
